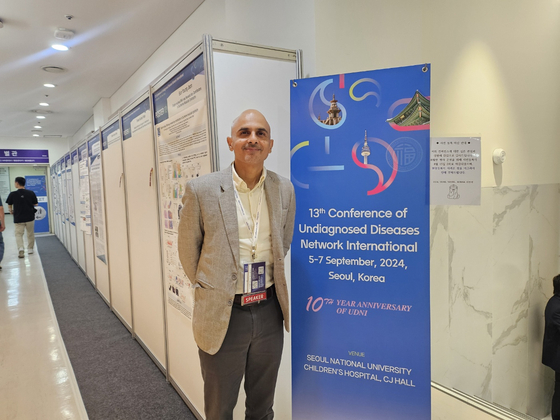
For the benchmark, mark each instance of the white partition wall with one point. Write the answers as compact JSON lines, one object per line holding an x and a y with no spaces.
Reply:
{"x":98,"y":231}
{"x":117,"y":233}
{"x":143,"y":228}
{"x":259,"y":79}
{"x":80,"y":250}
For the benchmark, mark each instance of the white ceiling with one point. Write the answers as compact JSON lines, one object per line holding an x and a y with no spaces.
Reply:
{"x":112,"y":40}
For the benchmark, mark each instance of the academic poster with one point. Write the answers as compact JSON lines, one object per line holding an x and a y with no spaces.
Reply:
{"x":85,"y":213}
{"x":97,"y":205}
{"x":180,"y":115}
{"x":360,"y":253}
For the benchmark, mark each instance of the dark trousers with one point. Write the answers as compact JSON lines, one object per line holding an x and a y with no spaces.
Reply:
{"x":556,"y":397}
{"x":252,"y":348}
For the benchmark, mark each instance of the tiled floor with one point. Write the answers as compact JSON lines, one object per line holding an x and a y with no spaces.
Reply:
{"x":36,"y":377}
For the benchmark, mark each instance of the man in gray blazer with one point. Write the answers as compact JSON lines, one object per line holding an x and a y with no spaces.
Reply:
{"x":236,"y":228}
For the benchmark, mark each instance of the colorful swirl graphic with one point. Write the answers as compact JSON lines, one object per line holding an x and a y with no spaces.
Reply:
{"x":321,"y":90}
{"x":380,"y":185}
{"x":365,"y":95}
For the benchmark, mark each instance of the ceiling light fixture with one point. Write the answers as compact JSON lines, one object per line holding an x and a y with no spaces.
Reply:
{"x":40,"y":117}
{"x":53,"y":69}
{"x":37,"y":126}
{"x":36,"y":135}
{"x":60,"y":47}
{"x":49,"y":85}
{"x":43,"y":104}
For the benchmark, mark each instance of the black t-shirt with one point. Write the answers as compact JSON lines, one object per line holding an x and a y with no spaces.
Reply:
{"x":23,"y":202}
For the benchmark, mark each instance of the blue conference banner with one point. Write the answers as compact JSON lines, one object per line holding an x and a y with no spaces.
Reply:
{"x":38,"y":184}
{"x":360,"y":254}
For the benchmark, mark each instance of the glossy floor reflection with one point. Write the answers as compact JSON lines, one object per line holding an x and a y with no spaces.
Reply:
{"x":36,"y":377}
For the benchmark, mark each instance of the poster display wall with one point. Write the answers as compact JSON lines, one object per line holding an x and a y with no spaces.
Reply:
{"x":97,"y":205}
{"x":360,"y":253}
{"x":85,"y":213}
{"x":180,"y":115}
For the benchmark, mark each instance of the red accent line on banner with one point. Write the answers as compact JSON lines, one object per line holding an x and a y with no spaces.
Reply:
{"x":341,"y":81}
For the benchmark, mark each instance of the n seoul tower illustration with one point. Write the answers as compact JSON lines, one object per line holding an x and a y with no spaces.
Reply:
{"x":365,"y":149}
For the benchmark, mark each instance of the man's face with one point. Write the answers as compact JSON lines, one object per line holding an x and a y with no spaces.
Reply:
{"x":250,"y":139}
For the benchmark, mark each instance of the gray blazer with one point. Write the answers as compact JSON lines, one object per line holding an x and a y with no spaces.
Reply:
{"x":209,"y":249}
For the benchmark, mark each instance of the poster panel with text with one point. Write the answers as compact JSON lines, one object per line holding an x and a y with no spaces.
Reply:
{"x":63,"y":186}
{"x":360,"y":253}
{"x":72,"y":211}
{"x":59,"y":192}
{"x":96,"y":190}
{"x":180,"y":115}
{"x":38,"y":184}
{"x":85,"y":213}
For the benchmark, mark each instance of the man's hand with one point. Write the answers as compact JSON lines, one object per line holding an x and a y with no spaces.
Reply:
{"x":2,"y":228}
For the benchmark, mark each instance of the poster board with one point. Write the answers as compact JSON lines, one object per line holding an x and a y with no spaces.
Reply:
{"x":72,"y":169}
{"x":80,"y":245}
{"x":85,"y":212}
{"x":64,"y":198}
{"x":117,"y":233}
{"x":98,"y":231}
{"x":143,"y":228}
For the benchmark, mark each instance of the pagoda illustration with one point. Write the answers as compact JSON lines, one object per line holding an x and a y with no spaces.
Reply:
{"x":417,"y":112}
{"x":334,"y":111}
{"x":365,"y":149}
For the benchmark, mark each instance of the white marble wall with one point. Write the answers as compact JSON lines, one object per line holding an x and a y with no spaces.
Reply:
{"x":492,"y":267}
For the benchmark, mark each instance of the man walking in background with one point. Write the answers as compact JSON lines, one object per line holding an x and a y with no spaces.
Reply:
{"x":22,"y":204}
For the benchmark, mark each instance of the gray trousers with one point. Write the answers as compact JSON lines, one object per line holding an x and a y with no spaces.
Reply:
{"x":252,"y":348}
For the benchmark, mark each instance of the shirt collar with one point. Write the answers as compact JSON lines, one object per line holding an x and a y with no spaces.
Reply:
{"x":241,"y":185}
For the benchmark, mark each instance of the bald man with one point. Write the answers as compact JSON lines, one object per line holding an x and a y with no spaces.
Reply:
{"x":236,"y":228}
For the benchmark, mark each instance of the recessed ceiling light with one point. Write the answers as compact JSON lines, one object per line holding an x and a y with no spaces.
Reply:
{"x":36,"y":135}
{"x":49,"y":85}
{"x":37,"y":126}
{"x":43,"y":104}
{"x":40,"y":117}
{"x":60,"y":47}
{"x":53,"y":69}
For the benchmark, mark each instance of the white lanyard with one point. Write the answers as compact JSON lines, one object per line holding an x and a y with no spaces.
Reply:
{"x":254,"y":232}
